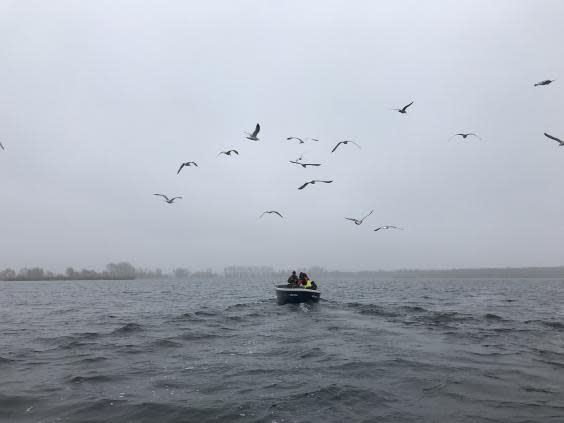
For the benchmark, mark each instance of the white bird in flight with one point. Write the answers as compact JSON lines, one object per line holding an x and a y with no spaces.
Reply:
{"x":465,"y":135}
{"x":301,"y":140}
{"x":168,"y":200}
{"x":558,"y":140}
{"x":344,"y":143}
{"x":313,"y":182}
{"x":188,"y":164}
{"x":403,"y":110}
{"x":228,"y":152}
{"x":359,"y":221}
{"x":304,"y":165}
{"x":387,"y":227}
{"x":545,"y":82}
{"x":271,"y":212}
{"x":253,"y":136}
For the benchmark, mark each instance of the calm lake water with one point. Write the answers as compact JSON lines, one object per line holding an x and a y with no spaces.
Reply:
{"x":377,"y":351}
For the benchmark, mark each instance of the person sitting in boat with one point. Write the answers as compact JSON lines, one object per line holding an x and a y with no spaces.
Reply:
{"x":293,"y":279}
{"x":302,"y":280}
{"x":309,"y":284}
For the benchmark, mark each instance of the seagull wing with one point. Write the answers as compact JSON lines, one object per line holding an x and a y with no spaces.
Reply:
{"x":257,"y":129}
{"x":275,"y":212}
{"x":180,"y":168}
{"x":325,"y":182}
{"x":474,"y":135}
{"x":552,"y":138}
{"x":310,"y":164}
{"x":162,"y":195}
{"x":350,"y":218}
{"x":175,"y":198}
{"x":377,"y":229}
{"x":295,"y":138}
{"x":405,"y":107}
{"x":313,"y":139}
{"x":234,"y":151}
{"x":355,"y":144}
{"x":337,"y":146}
{"x":371,"y":211}
{"x":2,"y":146}
{"x":304,"y":185}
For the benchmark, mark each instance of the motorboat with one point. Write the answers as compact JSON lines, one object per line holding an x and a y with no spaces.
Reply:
{"x":293,"y":294}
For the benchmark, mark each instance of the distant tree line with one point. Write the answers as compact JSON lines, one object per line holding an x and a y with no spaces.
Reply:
{"x":126,"y":271}
{"x":242,"y":273}
{"x":114,"y":271}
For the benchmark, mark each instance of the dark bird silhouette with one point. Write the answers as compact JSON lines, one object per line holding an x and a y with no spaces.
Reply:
{"x":2,"y":146}
{"x":403,"y":109}
{"x":464,"y":136}
{"x":188,"y":164}
{"x":558,"y":140}
{"x":301,"y":140}
{"x":168,"y":200}
{"x":304,"y":165}
{"x":545,"y":82}
{"x":313,"y":182}
{"x":387,"y":227}
{"x":253,"y":136}
{"x":271,"y":212}
{"x":359,"y":221}
{"x":228,"y":152}
{"x":344,"y":143}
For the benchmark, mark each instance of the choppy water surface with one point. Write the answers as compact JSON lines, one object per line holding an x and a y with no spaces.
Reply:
{"x":381,"y":351}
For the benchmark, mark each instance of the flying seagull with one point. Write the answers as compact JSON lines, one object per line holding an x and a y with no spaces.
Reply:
{"x":304,"y":165}
{"x":387,"y":227}
{"x":253,"y":136}
{"x":168,"y":200}
{"x":464,"y":136}
{"x":271,"y":212}
{"x":558,"y":140}
{"x":359,"y":221}
{"x":345,"y":143}
{"x":301,"y":140}
{"x":403,"y":109}
{"x":313,"y":182}
{"x":228,"y":152}
{"x":186,"y":164}
{"x":545,"y":82}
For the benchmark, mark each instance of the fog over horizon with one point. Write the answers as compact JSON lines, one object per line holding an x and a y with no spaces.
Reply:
{"x":101,"y":101}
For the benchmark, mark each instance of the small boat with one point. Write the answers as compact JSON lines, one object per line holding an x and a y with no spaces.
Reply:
{"x":286,"y":294}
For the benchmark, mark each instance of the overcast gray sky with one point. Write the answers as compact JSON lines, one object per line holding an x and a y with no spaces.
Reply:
{"x":101,"y":100}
